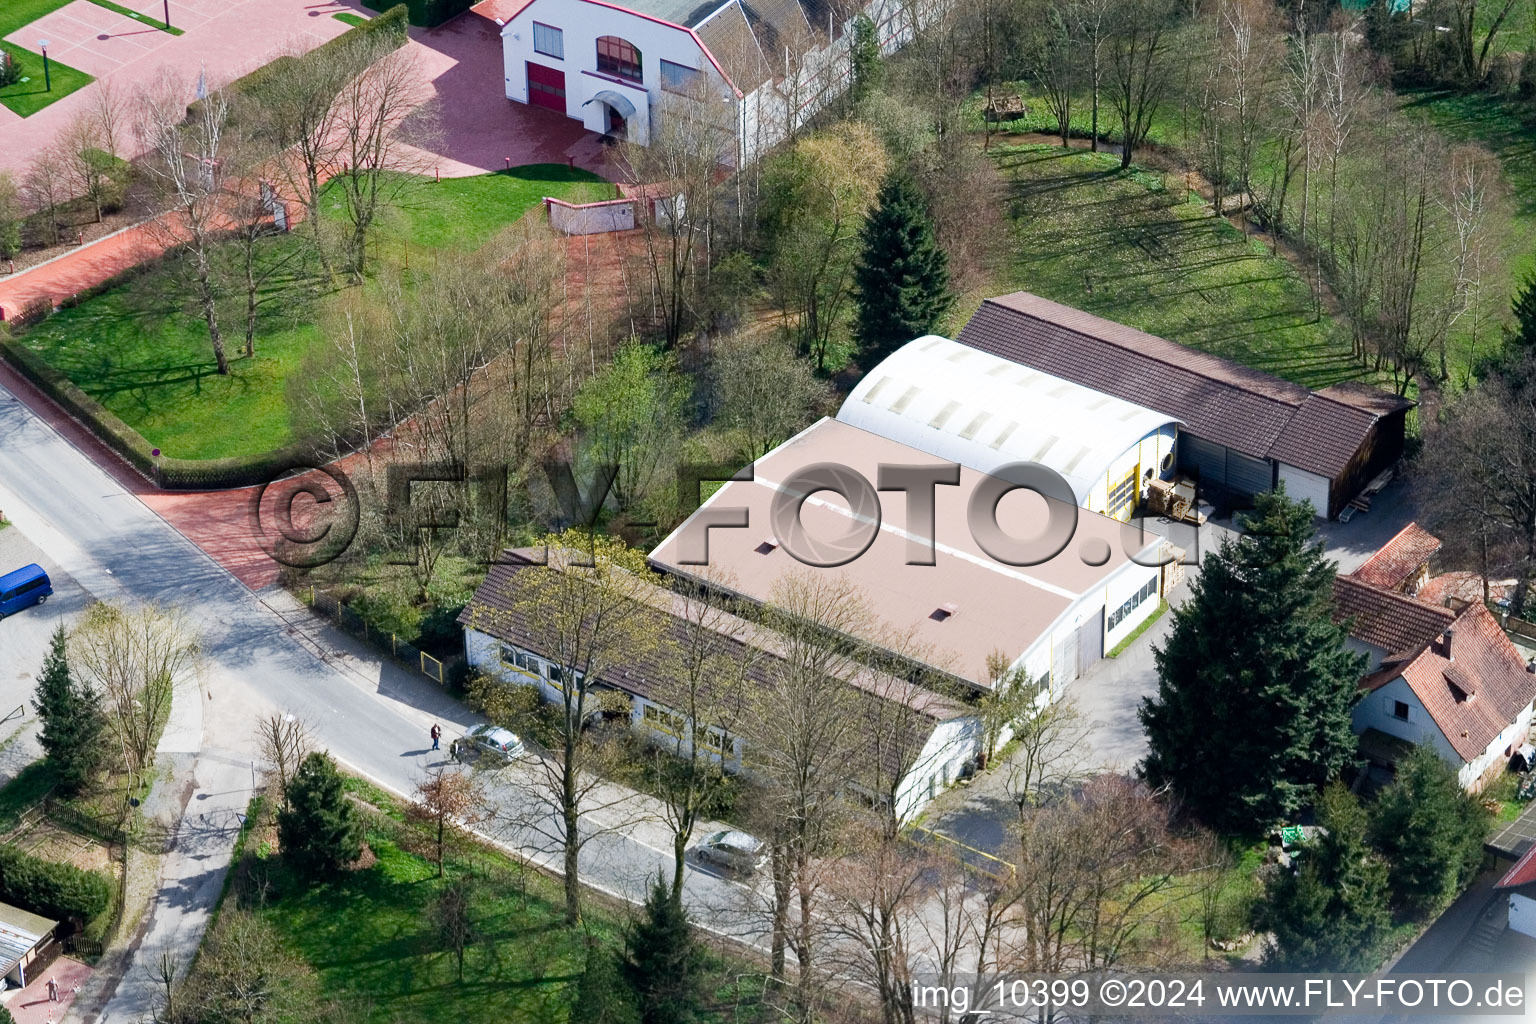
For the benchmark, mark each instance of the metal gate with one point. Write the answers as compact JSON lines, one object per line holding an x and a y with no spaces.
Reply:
{"x":1248,"y":475}
{"x":1090,"y":642}
{"x":546,"y":87}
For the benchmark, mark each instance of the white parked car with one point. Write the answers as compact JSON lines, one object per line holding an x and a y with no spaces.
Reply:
{"x":735,"y":850}
{"x":497,"y":745}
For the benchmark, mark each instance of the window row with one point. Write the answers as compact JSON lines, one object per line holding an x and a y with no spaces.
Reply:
{"x":1133,"y":602}
{"x":533,"y":665}
{"x":618,"y":57}
{"x":673,"y":724}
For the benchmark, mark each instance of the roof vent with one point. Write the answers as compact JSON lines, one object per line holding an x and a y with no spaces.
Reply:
{"x":1446,"y":650}
{"x":768,"y":546}
{"x":944,"y":611}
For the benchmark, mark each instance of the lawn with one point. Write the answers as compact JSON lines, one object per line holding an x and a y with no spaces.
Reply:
{"x":129,"y":12}
{"x":1140,"y":250}
{"x":29,"y":96}
{"x":1508,"y":128}
{"x":143,"y":352}
{"x":369,"y":937}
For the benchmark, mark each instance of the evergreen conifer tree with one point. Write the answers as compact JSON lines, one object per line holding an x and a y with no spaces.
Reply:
{"x":1522,"y":333}
{"x":1332,"y":914}
{"x":602,"y":994}
{"x":1431,"y":831}
{"x":318,"y":833}
{"x":901,"y":284}
{"x":72,"y":719}
{"x":1255,"y":687}
{"x":662,"y":963}
{"x":866,"y":63}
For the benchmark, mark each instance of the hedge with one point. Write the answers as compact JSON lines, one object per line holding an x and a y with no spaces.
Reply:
{"x":62,"y":892}
{"x":169,"y":473}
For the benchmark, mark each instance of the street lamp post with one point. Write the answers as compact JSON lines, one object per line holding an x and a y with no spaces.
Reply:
{"x":47,"y":80}
{"x":167,"y":13}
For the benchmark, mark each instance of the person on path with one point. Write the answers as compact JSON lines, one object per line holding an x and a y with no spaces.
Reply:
{"x":437,"y":734}
{"x":53,"y":991}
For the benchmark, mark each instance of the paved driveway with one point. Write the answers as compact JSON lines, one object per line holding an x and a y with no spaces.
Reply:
{"x":225,"y":37}
{"x":1112,"y":690}
{"x":480,"y":129}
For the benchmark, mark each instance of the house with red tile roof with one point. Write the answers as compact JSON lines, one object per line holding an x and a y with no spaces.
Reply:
{"x":1520,"y":883}
{"x":1448,"y":678}
{"x":624,"y":68}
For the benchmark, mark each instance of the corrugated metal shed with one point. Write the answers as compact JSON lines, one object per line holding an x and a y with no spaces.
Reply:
{"x":20,"y":933}
{"x":983,"y":411}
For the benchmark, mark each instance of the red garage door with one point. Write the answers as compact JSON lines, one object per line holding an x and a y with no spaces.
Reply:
{"x":546,"y":87}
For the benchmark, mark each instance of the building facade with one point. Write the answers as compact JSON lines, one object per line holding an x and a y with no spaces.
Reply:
{"x":768,"y":65}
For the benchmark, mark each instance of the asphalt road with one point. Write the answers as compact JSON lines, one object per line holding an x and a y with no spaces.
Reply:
{"x":263,"y":653}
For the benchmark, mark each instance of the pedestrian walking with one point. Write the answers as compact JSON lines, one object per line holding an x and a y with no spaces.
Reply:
{"x":437,"y":734}
{"x":53,"y":991}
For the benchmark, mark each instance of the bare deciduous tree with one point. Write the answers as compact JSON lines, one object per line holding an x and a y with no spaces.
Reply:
{"x":134,"y":657}
{"x":448,"y":801}
{"x":586,"y":614}
{"x":185,"y":165}
{"x":285,"y":740}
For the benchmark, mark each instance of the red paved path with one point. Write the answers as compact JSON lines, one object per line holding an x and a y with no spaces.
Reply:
{"x":222,"y":523}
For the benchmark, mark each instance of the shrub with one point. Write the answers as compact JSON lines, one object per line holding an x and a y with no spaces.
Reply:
{"x":59,"y":891}
{"x":11,"y":212}
{"x":318,"y":831}
{"x":10,"y":71}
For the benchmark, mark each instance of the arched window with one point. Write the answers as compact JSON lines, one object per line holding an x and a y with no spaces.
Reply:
{"x":618,"y":57}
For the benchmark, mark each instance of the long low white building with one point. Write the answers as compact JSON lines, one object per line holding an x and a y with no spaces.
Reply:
{"x":925,"y":739}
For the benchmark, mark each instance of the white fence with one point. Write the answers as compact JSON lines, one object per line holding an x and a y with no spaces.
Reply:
{"x":590,"y":218}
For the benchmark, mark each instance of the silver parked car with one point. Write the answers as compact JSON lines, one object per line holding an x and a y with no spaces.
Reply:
{"x":497,"y":745}
{"x":735,"y":850}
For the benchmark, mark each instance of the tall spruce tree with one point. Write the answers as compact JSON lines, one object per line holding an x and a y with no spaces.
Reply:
{"x":901,"y":284}
{"x":662,"y":962}
{"x":602,"y":994}
{"x":866,"y":66}
{"x":1255,"y":686}
{"x":1431,"y":831}
{"x":1520,"y":336}
{"x":317,"y":830}
{"x":72,"y":719}
{"x":1332,"y":914}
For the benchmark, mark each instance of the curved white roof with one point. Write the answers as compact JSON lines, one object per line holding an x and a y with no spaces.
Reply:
{"x":961,"y":404}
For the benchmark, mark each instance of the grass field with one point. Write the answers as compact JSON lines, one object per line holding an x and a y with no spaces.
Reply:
{"x":38,"y":90}
{"x":1125,"y":245}
{"x":1508,"y":128}
{"x":369,"y":936}
{"x":129,"y":12}
{"x":142,"y":352}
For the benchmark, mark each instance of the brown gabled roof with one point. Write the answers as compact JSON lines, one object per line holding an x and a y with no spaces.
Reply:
{"x":1393,"y":622}
{"x":1399,"y":558}
{"x":1248,"y":410}
{"x":729,"y":39}
{"x":1474,"y":695}
{"x":497,"y":610}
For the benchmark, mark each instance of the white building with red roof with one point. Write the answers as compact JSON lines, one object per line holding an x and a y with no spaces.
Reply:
{"x":1448,"y":678}
{"x":618,"y":67}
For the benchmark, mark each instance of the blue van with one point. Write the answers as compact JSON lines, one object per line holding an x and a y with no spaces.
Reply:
{"x":23,"y":588}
